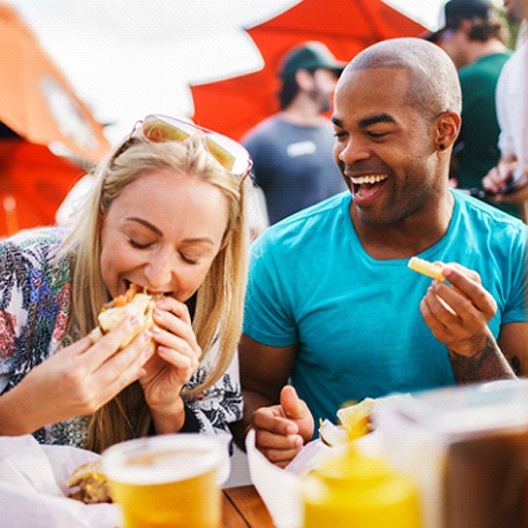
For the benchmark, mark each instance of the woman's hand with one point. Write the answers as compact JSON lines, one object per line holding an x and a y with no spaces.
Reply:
{"x":176,"y":360}
{"x":75,"y":381}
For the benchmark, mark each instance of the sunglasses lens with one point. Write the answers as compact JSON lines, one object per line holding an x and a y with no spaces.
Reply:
{"x":230,"y":154}
{"x":159,"y":131}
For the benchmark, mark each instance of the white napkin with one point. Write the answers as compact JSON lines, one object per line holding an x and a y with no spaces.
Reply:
{"x":280,"y":489}
{"x":33,"y":492}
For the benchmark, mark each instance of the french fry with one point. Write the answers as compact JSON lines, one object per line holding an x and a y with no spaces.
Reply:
{"x":425,"y":267}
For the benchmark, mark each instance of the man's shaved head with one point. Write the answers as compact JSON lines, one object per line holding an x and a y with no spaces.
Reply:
{"x":434,"y":86}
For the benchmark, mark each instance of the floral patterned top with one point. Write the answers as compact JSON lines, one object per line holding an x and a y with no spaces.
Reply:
{"x":34,"y":310}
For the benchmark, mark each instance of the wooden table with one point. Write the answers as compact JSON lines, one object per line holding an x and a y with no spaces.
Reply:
{"x":242,"y":507}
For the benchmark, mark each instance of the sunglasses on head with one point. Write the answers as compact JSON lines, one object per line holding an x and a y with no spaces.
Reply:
{"x":230,"y":154}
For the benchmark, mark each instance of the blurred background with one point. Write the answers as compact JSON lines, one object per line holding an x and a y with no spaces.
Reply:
{"x":127,"y":58}
{"x":77,"y":75}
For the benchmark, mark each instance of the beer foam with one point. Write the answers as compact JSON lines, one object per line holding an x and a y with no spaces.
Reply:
{"x":159,"y":460}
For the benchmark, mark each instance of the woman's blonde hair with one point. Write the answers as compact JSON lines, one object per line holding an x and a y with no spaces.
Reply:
{"x":218,"y":301}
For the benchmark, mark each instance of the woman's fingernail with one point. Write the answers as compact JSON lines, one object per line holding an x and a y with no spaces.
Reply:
{"x":148,"y":351}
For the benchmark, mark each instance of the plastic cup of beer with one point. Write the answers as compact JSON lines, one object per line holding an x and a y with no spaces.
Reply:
{"x":169,"y":480}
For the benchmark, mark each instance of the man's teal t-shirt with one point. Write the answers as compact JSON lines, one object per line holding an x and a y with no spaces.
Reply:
{"x":357,"y":320}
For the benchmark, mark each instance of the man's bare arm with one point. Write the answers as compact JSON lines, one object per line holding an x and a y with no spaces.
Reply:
{"x":487,"y":364}
{"x":264,"y":370}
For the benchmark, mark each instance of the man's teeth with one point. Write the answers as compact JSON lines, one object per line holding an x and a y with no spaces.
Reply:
{"x":370,"y":178}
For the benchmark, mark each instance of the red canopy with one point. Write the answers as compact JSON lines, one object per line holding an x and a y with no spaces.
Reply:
{"x":36,"y":100}
{"x":234,"y":105}
{"x":33,"y":183}
{"x":38,"y":104}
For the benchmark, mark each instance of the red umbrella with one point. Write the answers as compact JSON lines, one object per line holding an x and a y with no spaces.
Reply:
{"x":38,"y":108}
{"x":36,"y":100}
{"x":234,"y":105}
{"x":33,"y":183}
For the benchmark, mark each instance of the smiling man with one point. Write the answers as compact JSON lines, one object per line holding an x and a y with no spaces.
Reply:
{"x":333,"y":308}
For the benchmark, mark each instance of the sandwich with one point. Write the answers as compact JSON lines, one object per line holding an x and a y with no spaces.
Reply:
{"x":132,"y":303}
{"x":89,"y":484}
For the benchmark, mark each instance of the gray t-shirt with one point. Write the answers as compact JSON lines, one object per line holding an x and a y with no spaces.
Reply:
{"x":293,"y":165}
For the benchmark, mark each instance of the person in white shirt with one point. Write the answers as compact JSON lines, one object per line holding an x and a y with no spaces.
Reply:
{"x":512,"y":113}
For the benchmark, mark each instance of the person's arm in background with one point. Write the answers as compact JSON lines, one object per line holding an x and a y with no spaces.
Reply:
{"x":513,"y":139}
{"x":282,"y":422}
{"x":501,"y":175}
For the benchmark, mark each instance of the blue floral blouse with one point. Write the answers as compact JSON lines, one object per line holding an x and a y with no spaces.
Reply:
{"x":34,"y":311}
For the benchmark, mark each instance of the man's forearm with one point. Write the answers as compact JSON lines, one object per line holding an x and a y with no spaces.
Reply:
{"x":487,"y":364}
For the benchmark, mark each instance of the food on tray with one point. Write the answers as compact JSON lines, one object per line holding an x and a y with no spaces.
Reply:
{"x":131,"y":303}
{"x":431,"y":269}
{"x":332,"y":435}
{"x":90,"y":484}
{"x":354,"y":422}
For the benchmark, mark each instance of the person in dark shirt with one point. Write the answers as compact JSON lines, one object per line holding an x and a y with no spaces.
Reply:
{"x":292,"y":150}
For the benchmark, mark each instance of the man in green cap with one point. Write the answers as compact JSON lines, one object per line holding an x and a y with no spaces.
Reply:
{"x":292,"y":150}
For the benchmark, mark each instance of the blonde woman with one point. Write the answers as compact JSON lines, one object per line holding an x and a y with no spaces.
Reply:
{"x":167,"y":215}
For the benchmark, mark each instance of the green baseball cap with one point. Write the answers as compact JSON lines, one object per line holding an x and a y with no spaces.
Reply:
{"x":310,"y":56}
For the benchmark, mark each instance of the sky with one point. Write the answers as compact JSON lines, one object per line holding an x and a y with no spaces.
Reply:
{"x":128,"y":58}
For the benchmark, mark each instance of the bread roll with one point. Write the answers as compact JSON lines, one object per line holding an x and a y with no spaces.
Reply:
{"x":91,"y":482}
{"x":133,"y":303}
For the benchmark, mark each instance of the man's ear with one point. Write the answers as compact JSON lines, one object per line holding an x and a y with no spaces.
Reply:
{"x":465,"y":25}
{"x":446,"y":129}
{"x":304,"y":79}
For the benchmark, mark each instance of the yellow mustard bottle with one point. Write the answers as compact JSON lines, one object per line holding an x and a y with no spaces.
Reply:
{"x":354,"y":490}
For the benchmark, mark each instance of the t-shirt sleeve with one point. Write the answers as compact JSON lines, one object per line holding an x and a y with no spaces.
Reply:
{"x":516,"y":309}
{"x":213,"y":409}
{"x":260,"y":151}
{"x":524,"y":110}
{"x":268,"y":317}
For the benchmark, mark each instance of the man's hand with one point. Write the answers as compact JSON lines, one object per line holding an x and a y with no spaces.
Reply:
{"x":282,"y":430}
{"x":458,"y":314}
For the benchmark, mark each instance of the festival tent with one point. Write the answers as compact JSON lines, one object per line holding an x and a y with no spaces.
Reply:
{"x":39,"y":111}
{"x":234,"y":105}
{"x":129,"y":58}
